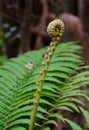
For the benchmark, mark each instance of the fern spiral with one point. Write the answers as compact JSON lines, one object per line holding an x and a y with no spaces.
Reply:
{"x":55,"y":30}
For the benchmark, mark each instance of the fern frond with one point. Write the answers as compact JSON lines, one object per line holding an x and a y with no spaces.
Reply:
{"x":18,"y":128}
{"x":47,"y":128}
{"x":62,"y":84}
{"x":73,"y":125}
{"x":86,"y":115}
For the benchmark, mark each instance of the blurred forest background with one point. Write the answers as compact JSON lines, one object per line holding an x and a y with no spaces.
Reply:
{"x":23,"y":25}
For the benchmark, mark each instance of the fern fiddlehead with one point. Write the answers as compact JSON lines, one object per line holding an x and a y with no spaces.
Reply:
{"x":55,"y":30}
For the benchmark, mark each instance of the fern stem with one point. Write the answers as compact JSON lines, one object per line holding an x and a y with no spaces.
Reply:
{"x":55,"y":30}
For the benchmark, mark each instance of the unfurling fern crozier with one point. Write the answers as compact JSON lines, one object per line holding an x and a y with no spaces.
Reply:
{"x":55,"y":30}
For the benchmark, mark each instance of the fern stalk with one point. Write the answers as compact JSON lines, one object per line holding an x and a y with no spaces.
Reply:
{"x":55,"y":30}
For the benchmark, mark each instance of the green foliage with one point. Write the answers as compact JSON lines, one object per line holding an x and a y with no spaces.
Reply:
{"x":73,"y":125}
{"x":86,"y":115}
{"x":3,"y":56}
{"x":10,"y":33}
{"x":61,"y":88}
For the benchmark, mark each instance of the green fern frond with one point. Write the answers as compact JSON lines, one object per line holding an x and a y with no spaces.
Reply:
{"x":18,"y":128}
{"x":86,"y":115}
{"x":73,"y":125}
{"x":62,"y":84}
{"x":47,"y":128}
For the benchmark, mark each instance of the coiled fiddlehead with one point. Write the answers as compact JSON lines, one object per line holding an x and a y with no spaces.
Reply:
{"x":55,"y":30}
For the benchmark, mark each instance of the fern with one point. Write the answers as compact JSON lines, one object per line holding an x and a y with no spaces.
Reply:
{"x":73,"y":125}
{"x":61,"y":88}
{"x":86,"y":115}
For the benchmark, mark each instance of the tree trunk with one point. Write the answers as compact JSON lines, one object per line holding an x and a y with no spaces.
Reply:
{"x":81,"y":8}
{"x":1,"y":29}
{"x":0,"y":16}
{"x":25,"y":28}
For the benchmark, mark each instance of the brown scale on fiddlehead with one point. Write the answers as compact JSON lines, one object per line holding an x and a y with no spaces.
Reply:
{"x":55,"y":30}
